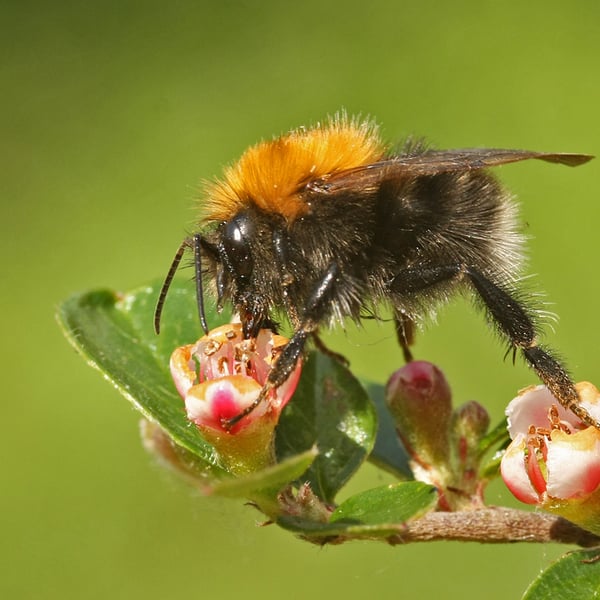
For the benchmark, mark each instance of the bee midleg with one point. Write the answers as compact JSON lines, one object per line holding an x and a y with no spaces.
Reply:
{"x":405,"y":332}
{"x":413,"y":281}
{"x":510,"y":317}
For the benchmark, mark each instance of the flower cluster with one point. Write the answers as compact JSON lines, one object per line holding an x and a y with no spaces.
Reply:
{"x":442,"y":442}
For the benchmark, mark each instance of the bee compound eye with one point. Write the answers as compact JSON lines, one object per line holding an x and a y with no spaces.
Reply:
{"x":237,"y":246}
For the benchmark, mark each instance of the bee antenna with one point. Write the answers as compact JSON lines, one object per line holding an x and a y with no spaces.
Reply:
{"x":167,"y":284}
{"x":197,"y":245}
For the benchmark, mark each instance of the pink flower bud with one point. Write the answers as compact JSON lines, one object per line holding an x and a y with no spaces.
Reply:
{"x":554,"y":458}
{"x":221,"y":376}
{"x":419,"y":398}
{"x":470,"y":424}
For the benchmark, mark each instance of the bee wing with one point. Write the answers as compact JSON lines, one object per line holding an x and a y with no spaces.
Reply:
{"x":435,"y":161}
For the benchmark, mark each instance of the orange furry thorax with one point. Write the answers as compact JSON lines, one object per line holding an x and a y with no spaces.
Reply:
{"x":271,"y":174}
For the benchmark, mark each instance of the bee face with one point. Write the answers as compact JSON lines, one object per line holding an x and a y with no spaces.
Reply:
{"x":237,"y":240}
{"x":323,"y":224}
{"x":245,"y":268}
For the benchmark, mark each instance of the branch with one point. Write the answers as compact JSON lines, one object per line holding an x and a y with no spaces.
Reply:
{"x":495,"y":526}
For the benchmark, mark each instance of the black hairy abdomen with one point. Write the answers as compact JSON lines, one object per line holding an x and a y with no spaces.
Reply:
{"x":450,"y":218}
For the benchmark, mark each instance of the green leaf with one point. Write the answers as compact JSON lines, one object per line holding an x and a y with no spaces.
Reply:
{"x":330,"y":410}
{"x":388,"y":453}
{"x":387,"y":504}
{"x":497,"y":439}
{"x":379,"y":512}
{"x":575,"y":576}
{"x":114,"y":333}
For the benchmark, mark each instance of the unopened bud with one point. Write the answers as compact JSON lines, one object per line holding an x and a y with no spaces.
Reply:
{"x":470,"y":424}
{"x":420,"y":401}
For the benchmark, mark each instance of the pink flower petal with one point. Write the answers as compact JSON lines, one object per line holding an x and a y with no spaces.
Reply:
{"x":531,"y":407}
{"x":573,"y":463}
{"x":514,"y":471}
{"x":560,"y":455}
{"x":183,"y":369}
{"x":212,"y":403}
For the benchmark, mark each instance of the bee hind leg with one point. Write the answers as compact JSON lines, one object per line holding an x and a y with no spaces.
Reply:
{"x":513,"y":320}
{"x":516,"y":323}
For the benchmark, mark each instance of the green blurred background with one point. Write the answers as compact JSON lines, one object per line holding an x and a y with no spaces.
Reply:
{"x":112,"y":112}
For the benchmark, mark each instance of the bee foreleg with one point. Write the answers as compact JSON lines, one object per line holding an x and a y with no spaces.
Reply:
{"x":311,"y":317}
{"x":291,"y":353}
{"x":286,"y":363}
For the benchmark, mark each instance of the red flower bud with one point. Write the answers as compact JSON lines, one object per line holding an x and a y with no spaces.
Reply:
{"x":419,"y":398}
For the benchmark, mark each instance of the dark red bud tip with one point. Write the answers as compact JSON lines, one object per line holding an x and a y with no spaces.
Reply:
{"x":419,"y":381}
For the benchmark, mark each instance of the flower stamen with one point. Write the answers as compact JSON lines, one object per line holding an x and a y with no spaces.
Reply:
{"x":556,"y":422}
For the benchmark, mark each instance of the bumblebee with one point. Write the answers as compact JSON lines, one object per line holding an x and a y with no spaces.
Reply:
{"x":328,"y":223}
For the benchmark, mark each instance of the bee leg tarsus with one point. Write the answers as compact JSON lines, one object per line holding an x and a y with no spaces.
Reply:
{"x":558,"y":382}
{"x":288,"y":359}
{"x":291,"y":353}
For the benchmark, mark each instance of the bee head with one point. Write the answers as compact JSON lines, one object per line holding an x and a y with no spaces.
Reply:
{"x":244,"y":251}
